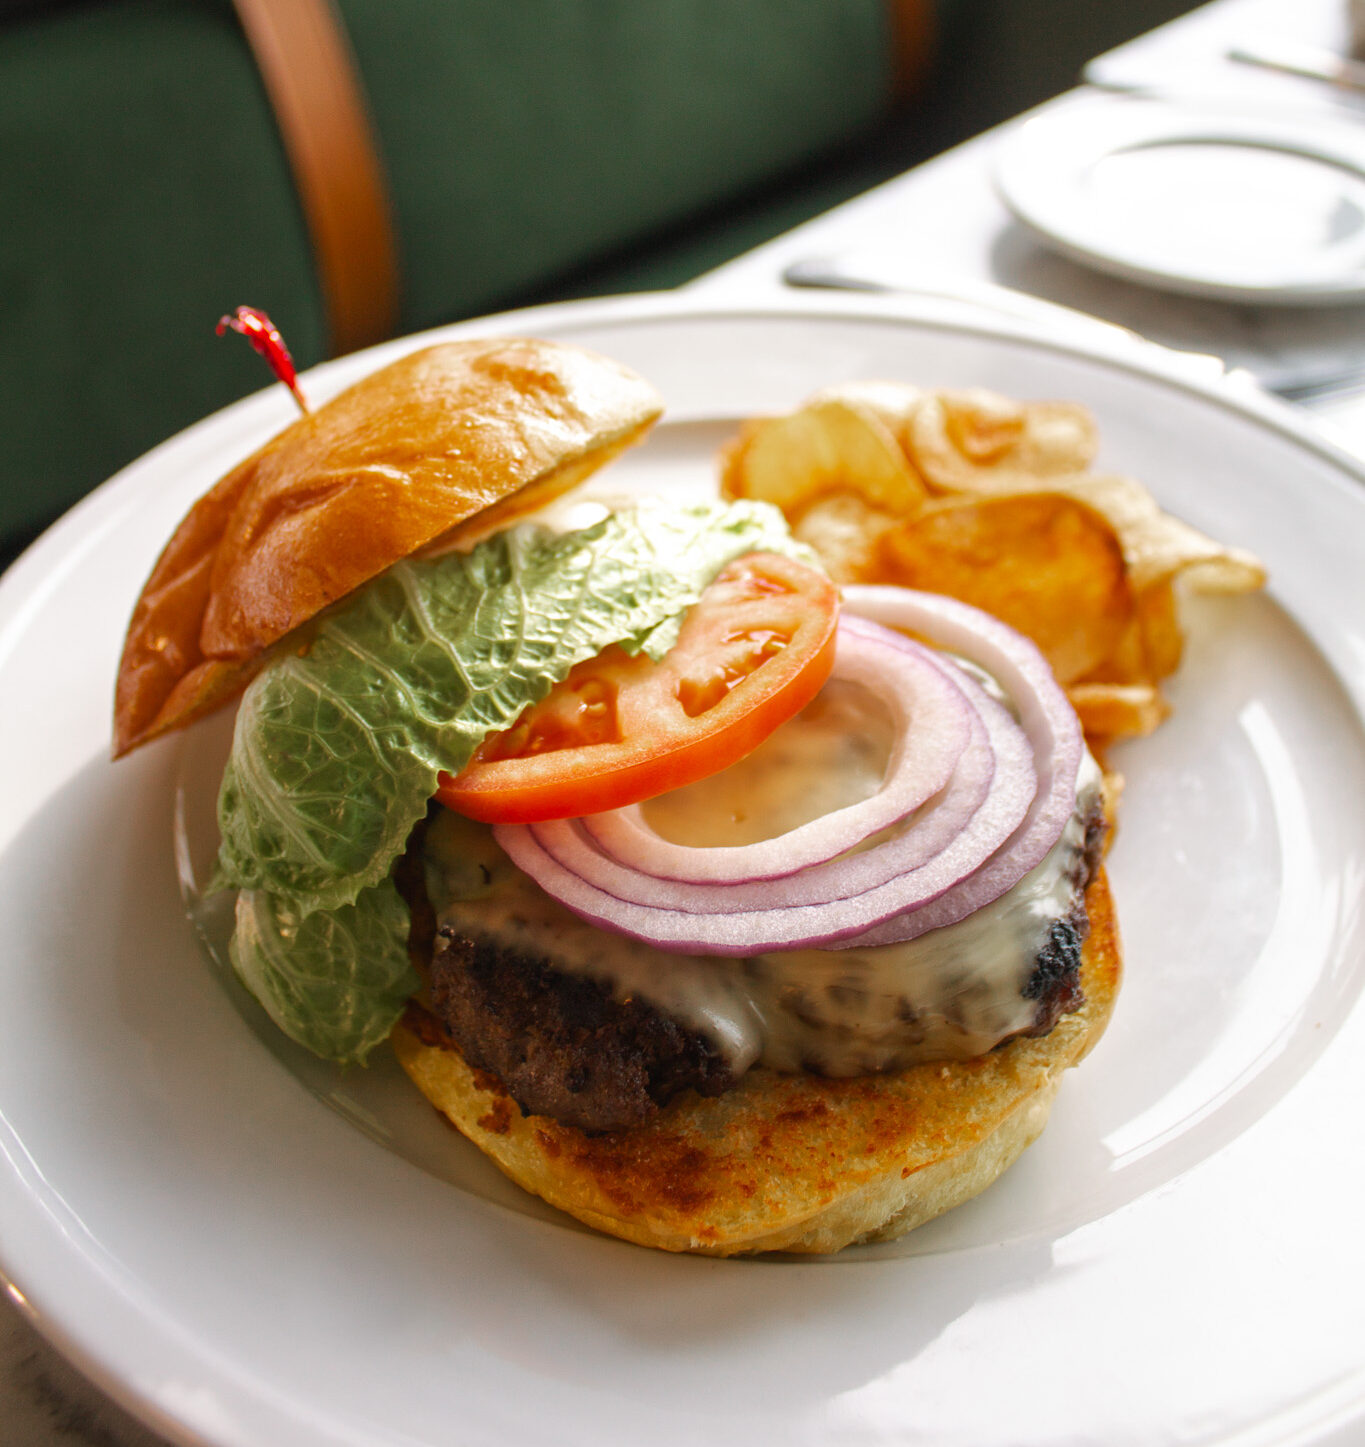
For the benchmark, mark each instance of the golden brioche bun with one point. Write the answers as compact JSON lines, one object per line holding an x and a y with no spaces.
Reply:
{"x":789,"y":1162}
{"x":438,"y":448}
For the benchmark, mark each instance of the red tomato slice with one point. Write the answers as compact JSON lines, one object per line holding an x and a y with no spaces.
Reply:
{"x":752,"y":652}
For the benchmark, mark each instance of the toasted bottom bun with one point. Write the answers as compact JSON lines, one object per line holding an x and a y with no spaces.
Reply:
{"x":789,"y":1162}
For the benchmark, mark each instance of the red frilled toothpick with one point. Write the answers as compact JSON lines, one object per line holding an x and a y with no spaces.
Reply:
{"x":264,"y":336}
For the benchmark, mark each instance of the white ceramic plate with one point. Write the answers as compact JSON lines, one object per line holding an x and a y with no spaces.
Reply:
{"x":1222,"y":203}
{"x":247,"y":1250}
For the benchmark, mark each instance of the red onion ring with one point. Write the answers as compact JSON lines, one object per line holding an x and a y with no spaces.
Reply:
{"x":933,"y":724}
{"x":986,"y":799}
{"x":996,"y":819}
{"x":984,"y":802}
{"x":983,"y":805}
{"x":1045,"y":714}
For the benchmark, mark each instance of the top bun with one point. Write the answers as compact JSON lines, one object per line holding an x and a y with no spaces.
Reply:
{"x":439,"y":448}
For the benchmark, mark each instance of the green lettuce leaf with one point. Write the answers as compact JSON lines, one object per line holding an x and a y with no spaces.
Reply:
{"x":337,"y":748}
{"x":334,"y":980}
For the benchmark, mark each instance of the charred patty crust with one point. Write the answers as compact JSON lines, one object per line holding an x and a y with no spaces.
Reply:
{"x":564,"y":1045}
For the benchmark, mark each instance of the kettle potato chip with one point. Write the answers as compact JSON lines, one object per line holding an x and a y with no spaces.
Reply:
{"x":828,"y":446}
{"x":993,"y":501}
{"x":979,"y":441}
{"x":1045,"y":564}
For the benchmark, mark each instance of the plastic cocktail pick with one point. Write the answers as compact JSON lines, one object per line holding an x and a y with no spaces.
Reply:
{"x":264,"y":336}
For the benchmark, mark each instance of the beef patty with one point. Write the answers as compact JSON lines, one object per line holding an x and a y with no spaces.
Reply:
{"x":565,"y":1046}
{"x":562,"y":1044}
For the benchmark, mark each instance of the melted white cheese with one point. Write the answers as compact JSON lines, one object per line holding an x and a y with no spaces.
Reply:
{"x":951,"y":993}
{"x":835,"y":754}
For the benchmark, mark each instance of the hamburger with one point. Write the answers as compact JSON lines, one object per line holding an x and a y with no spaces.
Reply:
{"x":726,"y":912}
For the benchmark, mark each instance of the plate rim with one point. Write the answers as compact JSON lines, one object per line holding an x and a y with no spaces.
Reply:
{"x":23,"y":581}
{"x":1155,"y":120}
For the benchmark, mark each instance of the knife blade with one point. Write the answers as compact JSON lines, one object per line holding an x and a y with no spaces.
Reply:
{"x":1302,"y":60}
{"x":1293,"y":383}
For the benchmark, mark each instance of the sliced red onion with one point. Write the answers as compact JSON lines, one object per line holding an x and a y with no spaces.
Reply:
{"x":983,"y":803}
{"x":958,"y":850}
{"x":1045,"y":715}
{"x":950,"y":836}
{"x":932,"y":718}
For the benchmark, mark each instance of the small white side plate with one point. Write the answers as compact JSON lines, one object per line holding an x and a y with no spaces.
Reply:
{"x":1213,"y":202}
